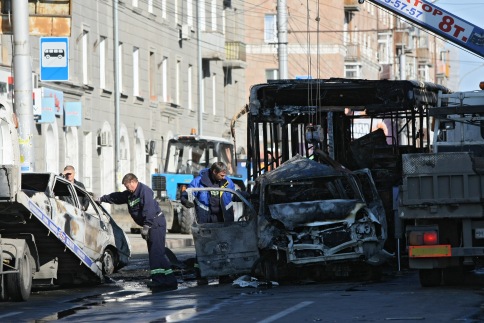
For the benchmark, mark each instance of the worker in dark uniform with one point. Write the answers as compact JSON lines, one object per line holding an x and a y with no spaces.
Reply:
{"x":146,"y":212}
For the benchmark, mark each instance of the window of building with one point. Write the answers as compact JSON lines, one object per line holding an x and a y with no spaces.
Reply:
{"x":190,"y":88}
{"x":152,"y":78}
{"x":102,"y":62}
{"x":214,"y":15}
{"x":223,"y":22}
{"x":164,"y":79}
{"x":85,"y":57}
{"x":135,"y":3}
{"x":136,"y":71}
{"x":190,"y":12}
{"x":203,"y":16}
{"x":384,"y":48}
{"x":270,"y":28}
{"x":272,"y":74}
{"x":346,"y":36}
{"x":163,"y":9}
{"x":150,"y":6}
{"x":175,"y":4}
{"x":423,"y":73}
{"x":214,"y":93}
{"x":353,"y":71}
{"x":177,"y":82}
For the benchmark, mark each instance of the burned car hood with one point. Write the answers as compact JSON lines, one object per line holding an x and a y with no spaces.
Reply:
{"x":294,"y":194}
{"x":317,"y":212}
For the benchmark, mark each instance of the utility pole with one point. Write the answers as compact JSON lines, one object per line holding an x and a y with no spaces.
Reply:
{"x":201,"y":98}
{"x":282,"y":38}
{"x":22,"y":75}
{"x":117,"y":172}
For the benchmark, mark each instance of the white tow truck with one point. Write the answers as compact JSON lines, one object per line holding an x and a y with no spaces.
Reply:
{"x":47,"y":237}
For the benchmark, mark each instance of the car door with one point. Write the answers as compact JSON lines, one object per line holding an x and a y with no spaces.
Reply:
{"x":66,"y":213}
{"x":98,"y":233}
{"x":226,"y":248}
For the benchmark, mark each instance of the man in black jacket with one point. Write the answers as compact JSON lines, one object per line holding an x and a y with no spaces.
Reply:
{"x":146,"y":212}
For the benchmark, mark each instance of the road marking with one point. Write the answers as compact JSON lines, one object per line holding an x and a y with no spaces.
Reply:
{"x":9,"y":314}
{"x":285,"y":312}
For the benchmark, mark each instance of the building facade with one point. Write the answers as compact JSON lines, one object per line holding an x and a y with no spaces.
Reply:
{"x":160,"y":96}
{"x":164,"y":91}
{"x":342,"y":39}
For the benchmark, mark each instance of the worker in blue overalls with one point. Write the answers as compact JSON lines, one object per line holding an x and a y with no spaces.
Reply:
{"x":146,"y":212}
{"x":212,"y":206}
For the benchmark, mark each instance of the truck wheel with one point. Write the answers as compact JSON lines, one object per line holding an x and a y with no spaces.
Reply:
{"x":430,"y":277}
{"x":175,"y":225}
{"x":19,"y":285}
{"x":108,"y":262}
{"x":187,"y":217}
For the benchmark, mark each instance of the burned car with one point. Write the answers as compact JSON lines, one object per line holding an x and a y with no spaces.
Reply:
{"x":73,"y":240}
{"x":311,"y":220}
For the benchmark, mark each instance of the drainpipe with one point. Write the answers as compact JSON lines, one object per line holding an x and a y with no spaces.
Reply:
{"x":200,"y":71}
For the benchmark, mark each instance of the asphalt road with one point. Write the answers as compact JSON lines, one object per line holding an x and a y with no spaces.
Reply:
{"x":125,"y":297}
{"x":398,"y":297}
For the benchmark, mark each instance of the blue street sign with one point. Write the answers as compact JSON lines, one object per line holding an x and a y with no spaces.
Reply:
{"x":54,"y":58}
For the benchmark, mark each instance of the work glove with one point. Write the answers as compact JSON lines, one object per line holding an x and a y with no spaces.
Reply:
{"x":145,"y":232}
{"x":187,"y":203}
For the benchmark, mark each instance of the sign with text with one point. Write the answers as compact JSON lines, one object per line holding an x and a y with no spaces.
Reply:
{"x":58,"y":97}
{"x":47,"y":111}
{"x":72,"y":114}
{"x":439,"y":21}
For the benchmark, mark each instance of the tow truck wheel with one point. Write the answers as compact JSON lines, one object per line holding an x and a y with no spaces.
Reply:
{"x":108,"y":262}
{"x":19,"y":285}
{"x":187,"y":217}
{"x":430,"y":277}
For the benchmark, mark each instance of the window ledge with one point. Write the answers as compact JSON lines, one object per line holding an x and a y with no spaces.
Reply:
{"x":106,"y":92}
{"x":139,"y":99}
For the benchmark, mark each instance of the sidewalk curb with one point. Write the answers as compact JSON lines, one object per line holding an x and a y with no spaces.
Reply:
{"x":173,"y":241}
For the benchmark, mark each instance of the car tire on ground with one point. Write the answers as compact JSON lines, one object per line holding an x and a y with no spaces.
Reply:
{"x":187,"y":217}
{"x":19,"y":285}
{"x":108,"y":262}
